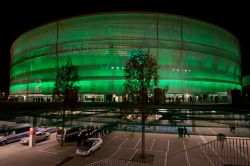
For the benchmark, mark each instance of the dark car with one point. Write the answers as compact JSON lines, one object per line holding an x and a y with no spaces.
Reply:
{"x":69,"y":134}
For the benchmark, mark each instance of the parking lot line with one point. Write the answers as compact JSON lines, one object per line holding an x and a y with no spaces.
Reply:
{"x":212,"y":131}
{"x":151,"y":147}
{"x":139,"y":149}
{"x":168,"y":146}
{"x":115,"y":152}
{"x":41,"y":150}
{"x":247,"y":130}
{"x":133,"y":154}
{"x":111,"y":140}
{"x":137,"y":143}
{"x":205,"y":141}
{"x":123,"y":142}
{"x":186,"y":153}
{"x":210,"y":161}
{"x":166,"y":159}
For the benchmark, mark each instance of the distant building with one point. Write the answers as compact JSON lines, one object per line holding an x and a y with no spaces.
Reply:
{"x":196,"y":58}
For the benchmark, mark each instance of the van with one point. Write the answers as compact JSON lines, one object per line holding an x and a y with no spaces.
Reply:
{"x":69,"y":134}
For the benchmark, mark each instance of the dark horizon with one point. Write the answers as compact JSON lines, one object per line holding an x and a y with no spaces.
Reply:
{"x":22,"y":17}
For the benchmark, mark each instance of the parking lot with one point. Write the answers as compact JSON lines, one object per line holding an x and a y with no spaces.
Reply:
{"x":124,"y":145}
{"x":44,"y":153}
{"x":167,"y":149}
{"x":117,"y":145}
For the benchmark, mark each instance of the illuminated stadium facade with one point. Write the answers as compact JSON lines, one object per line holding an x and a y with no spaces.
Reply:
{"x":195,"y":58}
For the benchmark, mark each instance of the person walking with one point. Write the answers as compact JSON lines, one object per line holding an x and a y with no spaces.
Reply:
{"x":179,"y":132}
{"x":182,"y":132}
{"x":186,"y":132}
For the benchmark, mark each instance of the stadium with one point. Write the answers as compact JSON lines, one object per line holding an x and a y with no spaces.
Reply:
{"x":195,"y":58}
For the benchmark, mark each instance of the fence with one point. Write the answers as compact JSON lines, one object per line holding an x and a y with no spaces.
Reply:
{"x":221,"y":152}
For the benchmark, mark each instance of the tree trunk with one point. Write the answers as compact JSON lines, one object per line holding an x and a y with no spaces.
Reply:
{"x":62,"y":135}
{"x":143,"y":133}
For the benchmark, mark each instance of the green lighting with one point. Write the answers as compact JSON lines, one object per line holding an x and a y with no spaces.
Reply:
{"x":193,"y":56}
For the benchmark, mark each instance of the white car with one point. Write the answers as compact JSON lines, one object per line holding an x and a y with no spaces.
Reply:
{"x":89,"y":146}
{"x":39,"y":137}
{"x":48,"y":129}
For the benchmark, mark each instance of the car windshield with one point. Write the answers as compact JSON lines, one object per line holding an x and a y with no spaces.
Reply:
{"x":86,"y":145}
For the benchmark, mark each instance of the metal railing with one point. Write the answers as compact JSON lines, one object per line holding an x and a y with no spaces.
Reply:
{"x":221,"y":152}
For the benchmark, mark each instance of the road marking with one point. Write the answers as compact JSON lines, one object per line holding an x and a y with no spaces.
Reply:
{"x":138,"y":149}
{"x":65,"y":160}
{"x":100,"y":161}
{"x":111,"y":140}
{"x":206,"y":155}
{"x":133,"y":154}
{"x":166,"y":159}
{"x":151,"y":147}
{"x":186,"y":153}
{"x":203,"y":139}
{"x":57,"y":151}
{"x":212,"y":131}
{"x":123,"y":142}
{"x":115,"y":153}
{"x":168,"y":146}
{"x":41,"y":150}
{"x":248,"y":134}
{"x":137,"y":143}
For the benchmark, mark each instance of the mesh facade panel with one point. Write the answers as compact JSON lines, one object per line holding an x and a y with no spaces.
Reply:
{"x":194,"y":56}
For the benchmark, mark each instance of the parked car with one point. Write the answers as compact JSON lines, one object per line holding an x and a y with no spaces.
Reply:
{"x":14,"y":133}
{"x":48,"y":129}
{"x":89,"y":146}
{"x":69,"y":134}
{"x":39,"y":137}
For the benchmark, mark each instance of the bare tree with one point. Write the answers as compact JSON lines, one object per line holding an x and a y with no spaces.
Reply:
{"x":141,"y":74}
{"x":65,"y":93}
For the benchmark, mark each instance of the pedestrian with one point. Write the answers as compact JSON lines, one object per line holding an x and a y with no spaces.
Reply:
{"x":232,"y":129}
{"x":179,"y":132}
{"x":182,"y":132}
{"x":186,"y":132}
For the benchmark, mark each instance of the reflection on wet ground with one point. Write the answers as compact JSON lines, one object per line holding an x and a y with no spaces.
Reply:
{"x":160,"y":120}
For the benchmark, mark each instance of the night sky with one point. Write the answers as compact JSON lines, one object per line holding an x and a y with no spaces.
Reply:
{"x":19,"y":17}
